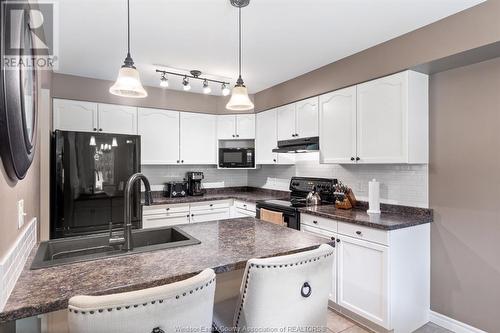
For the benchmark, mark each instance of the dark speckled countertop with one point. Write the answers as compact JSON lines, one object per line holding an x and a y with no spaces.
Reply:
{"x":225,"y":246}
{"x":392,"y":216}
{"x":248,"y":194}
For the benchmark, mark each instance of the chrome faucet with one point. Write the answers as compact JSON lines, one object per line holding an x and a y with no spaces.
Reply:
{"x":126,"y":240}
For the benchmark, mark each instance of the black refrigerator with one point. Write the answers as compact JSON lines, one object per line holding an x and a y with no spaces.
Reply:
{"x":89,"y":173}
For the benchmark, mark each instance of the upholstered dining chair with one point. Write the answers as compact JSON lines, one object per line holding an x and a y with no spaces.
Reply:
{"x":184,"y":306}
{"x":280,"y":294}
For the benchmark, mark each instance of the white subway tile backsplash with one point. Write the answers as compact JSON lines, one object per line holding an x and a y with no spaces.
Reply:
{"x":13,"y":262}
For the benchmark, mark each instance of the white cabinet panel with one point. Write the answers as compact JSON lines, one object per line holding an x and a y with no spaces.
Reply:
{"x":266,"y":137}
{"x":72,"y":115}
{"x":286,"y":122}
{"x":117,"y":119}
{"x":381,"y":120}
{"x":210,"y":215}
{"x":226,"y":127}
{"x":363,"y":277}
{"x":159,"y":131}
{"x":337,"y":126}
{"x":245,"y":126}
{"x":164,"y":220}
{"x":198,"y":138}
{"x":307,"y":118}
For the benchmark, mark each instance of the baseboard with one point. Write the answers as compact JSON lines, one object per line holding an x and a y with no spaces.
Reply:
{"x":13,"y":262}
{"x":452,"y":324}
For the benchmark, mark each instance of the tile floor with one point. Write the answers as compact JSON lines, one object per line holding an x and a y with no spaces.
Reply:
{"x":337,"y":324}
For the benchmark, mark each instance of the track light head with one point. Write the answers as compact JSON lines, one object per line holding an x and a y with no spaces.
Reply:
{"x":185,"y":84}
{"x":206,"y":87}
{"x":164,"y":81}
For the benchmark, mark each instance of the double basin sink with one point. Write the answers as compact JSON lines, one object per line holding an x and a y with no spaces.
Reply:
{"x":76,"y":249}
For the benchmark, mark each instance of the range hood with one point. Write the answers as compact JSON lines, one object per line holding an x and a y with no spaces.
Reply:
{"x":303,"y":145}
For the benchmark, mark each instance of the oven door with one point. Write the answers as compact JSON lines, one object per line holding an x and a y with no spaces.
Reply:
{"x":236,"y":158}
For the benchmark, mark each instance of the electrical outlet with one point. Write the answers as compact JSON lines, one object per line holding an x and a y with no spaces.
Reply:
{"x":20,"y":213}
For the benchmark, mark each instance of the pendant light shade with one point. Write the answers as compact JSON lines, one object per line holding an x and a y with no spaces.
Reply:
{"x":128,"y":83}
{"x":239,"y":100}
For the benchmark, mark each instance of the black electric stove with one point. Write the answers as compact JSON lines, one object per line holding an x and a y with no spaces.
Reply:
{"x":299,"y":188}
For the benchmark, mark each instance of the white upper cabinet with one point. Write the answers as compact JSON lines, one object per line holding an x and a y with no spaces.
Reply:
{"x":159,"y":131}
{"x":306,"y":118}
{"x":81,"y":116}
{"x":245,"y":126}
{"x":236,"y":126}
{"x":72,"y":115}
{"x":198,"y":138}
{"x":381,"y":121}
{"x":286,"y":122}
{"x":392,"y":119}
{"x":117,"y":119}
{"x":337,"y":126}
{"x":266,"y":140}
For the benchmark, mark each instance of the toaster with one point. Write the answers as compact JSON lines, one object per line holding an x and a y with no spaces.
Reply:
{"x":175,"y":189}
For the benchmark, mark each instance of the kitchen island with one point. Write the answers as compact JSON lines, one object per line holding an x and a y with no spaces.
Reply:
{"x":225,"y":246}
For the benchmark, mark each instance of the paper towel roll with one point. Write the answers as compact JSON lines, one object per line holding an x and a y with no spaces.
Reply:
{"x":373,"y":197}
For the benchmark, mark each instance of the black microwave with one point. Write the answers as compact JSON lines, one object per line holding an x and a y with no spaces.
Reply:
{"x":236,"y":157}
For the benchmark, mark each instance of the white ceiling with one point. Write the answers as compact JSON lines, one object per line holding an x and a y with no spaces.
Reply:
{"x":281,"y":38}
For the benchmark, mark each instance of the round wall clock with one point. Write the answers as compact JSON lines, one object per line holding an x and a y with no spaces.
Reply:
{"x":18,"y":102}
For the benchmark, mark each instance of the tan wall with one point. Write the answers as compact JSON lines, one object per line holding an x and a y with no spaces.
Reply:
{"x":465,"y":193}
{"x":466,"y":30}
{"x":94,"y":90}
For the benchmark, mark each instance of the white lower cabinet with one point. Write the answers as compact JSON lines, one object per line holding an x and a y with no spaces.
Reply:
{"x":243,"y":209}
{"x":164,"y":215}
{"x":210,"y":215}
{"x":382,"y":277}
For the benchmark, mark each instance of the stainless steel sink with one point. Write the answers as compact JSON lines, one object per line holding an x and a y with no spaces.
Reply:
{"x":75,"y":249}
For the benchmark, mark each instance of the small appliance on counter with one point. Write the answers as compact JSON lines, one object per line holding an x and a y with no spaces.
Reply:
{"x":194,"y":183}
{"x":176,"y":189}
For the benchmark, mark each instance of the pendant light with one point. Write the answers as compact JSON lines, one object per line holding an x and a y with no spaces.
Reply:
{"x":239,"y":98}
{"x":128,"y":83}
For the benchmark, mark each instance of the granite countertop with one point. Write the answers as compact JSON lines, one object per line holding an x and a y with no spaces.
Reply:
{"x":247,"y":194}
{"x":225,"y":246}
{"x":392,"y":217}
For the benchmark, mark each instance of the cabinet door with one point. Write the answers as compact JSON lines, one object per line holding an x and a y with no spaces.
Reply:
{"x":245,"y":126}
{"x":210,"y":215}
{"x":198,"y":138}
{"x":307,"y":117}
{"x":226,"y":127}
{"x":266,"y":137}
{"x":337,"y":126}
{"x":381,"y":120}
{"x":286,"y":122}
{"x":117,"y":119}
{"x":164,"y":220}
{"x":363,"y":277}
{"x":74,"y":115}
{"x":159,"y":131}
{"x":331,"y":236}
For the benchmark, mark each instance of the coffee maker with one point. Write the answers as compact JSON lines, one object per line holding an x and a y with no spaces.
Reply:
{"x":194,"y":183}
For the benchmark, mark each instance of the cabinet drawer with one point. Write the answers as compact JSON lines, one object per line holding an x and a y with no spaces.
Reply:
{"x":163,"y":220}
{"x":318,"y":222}
{"x":165,"y":209}
{"x":318,"y":232}
{"x":244,"y":212}
{"x":210,"y":215}
{"x":245,"y":205}
{"x":210,"y":205}
{"x":361,"y":232}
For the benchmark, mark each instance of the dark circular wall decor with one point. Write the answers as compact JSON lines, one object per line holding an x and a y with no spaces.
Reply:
{"x":18,"y":103}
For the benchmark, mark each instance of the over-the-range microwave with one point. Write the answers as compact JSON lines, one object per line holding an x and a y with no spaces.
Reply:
{"x":236,"y":157}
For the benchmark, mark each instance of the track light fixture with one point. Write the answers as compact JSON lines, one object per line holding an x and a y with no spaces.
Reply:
{"x":196,"y":75}
{"x":164,"y":81}
{"x":185,"y":84}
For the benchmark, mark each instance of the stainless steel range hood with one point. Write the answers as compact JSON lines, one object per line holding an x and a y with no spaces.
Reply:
{"x":303,"y":145}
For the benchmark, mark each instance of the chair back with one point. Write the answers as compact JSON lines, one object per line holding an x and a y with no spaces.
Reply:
{"x":287,"y":293}
{"x":186,"y":304}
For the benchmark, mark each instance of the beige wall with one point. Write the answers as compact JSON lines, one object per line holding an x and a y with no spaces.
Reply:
{"x":466,"y":30}
{"x":465,"y":193}
{"x":94,"y":90}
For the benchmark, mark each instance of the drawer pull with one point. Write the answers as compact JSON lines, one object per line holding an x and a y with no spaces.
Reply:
{"x":332,"y":238}
{"x":167,"y":209}
{"x":338,"y":240}
{"x":211,"y":205}
{"x":359,"y":233}
{"x":315,"y":222}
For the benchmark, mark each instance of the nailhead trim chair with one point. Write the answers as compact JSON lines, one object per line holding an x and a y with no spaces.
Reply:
{"x":280,"y":294}
{"x":184,"y":306}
